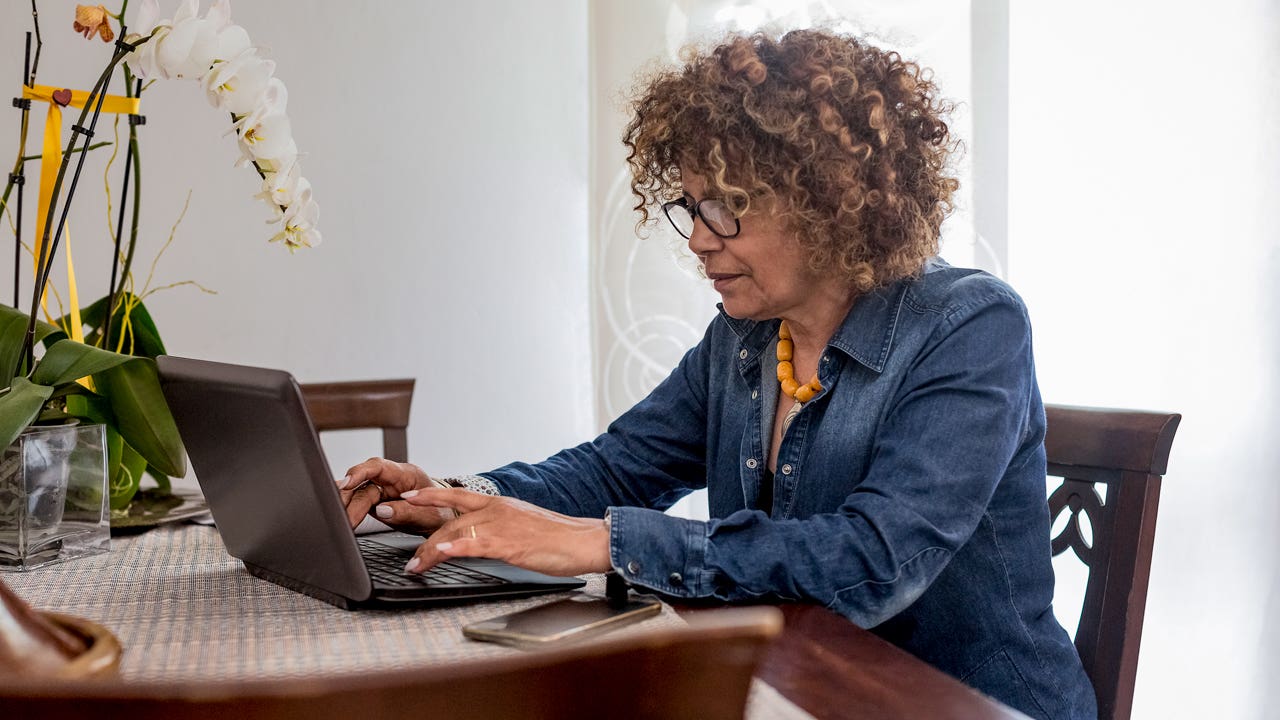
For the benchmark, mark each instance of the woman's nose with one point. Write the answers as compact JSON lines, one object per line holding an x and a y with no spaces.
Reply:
{"x":702,"y":241}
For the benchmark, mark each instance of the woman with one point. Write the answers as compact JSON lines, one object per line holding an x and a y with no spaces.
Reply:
{"x":865,"y":418}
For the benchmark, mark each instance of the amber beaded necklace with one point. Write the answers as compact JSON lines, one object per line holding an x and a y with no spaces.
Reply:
{"x":787,"y":372}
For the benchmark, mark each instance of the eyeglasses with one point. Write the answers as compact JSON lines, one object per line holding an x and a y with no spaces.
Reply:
{"x":717,"y":216}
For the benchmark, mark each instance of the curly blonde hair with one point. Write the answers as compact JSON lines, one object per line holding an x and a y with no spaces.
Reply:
{"x":847,"y":143}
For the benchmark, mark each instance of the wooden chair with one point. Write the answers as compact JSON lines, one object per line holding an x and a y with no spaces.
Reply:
{"x":1127,"y":452}
{"x":365,"y":404}
{"x":700,"y":672}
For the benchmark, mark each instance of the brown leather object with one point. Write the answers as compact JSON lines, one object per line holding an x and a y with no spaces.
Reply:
{"x":31,"y":645}
{"x":364,"y":404}
{"x":1124,"y":453}
{"x":700,"y":672}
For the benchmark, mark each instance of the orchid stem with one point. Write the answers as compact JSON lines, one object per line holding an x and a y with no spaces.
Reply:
{"x":95,"y":146}
{"x":35,"y":63}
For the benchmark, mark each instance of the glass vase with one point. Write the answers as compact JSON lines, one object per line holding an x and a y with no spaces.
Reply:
{"x":53,"y":496}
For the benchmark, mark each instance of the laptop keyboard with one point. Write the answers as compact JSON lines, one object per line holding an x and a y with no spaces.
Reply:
{"x":386,"y":567}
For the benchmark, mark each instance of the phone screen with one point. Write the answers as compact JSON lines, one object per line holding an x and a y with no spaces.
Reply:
{"x":561,"y":621}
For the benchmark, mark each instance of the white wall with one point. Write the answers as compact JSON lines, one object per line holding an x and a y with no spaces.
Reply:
{"x":1144,"y":172}
{"x":447,"y":146}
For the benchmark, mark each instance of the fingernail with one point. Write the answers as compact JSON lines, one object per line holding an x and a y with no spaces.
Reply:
{"x":382,"y":511}
{"x":343,"y":482}
{"x":443,"y":546}
{"x":409,"y":494}
{"x":412,"y":564}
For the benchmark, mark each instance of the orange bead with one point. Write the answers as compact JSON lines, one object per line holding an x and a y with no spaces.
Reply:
{"x":785,"y":349}
{"x":784,"y":332}
{"x":786,"y":372}
{"x":789,"y":387}
{"x":805,"y":393}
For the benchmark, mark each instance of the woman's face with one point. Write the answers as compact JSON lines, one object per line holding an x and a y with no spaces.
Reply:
{"x":762,"y":272}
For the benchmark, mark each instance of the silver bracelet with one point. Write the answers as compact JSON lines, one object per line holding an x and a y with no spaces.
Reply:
{"x":474,"y":483}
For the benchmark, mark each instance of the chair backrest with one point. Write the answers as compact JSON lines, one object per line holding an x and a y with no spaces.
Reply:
{"x":364,"y":404}
{"x":702,"y":671}
{"x":1127,"y":452}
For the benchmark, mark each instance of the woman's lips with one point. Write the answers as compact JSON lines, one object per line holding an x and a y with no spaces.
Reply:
{"x":720,"y":281}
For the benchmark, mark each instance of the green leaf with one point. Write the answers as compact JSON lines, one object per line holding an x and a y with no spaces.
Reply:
{"x":67,"y":361}
{"x":115,"y":451}
{"x":146,"y":337}
{"x":162,"y":480}
{"x":13,"y":330}
{"x":125,"y":483}
{"x":142,"y":416}
{"x":93,"y":408}
{"x":19,"y":406}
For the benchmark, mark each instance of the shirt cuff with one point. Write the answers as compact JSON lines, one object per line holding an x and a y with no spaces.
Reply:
{"x":657,"y":551}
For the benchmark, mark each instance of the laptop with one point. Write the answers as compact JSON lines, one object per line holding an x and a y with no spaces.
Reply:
{"x":263,"y":472}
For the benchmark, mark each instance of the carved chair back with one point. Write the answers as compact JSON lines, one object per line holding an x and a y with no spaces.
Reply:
{"x":1124,"y":453}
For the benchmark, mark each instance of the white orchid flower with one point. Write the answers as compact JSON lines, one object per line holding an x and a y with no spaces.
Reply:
{"x":148,"y":17}
{"x":270,"y":158}
{"x":239,"y":85}
{"x":232,"y":39}
{"x":284,"y":187}
{"x":300,"y":223}
{"x":270,"y":138}
{"x":142,"y":60}
{"x":191,"y":45}
{"x":275,"y":100}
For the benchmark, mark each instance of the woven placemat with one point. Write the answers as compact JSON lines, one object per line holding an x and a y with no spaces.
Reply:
{"x":183,"y":608}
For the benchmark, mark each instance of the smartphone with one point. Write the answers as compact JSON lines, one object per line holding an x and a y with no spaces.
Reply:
{"x":562,"y":621}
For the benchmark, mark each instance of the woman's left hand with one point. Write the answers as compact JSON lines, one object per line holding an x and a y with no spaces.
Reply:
{"x":507,"y":529}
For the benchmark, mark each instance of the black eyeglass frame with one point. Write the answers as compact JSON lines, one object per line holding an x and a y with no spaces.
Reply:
{"x":683,"y":203}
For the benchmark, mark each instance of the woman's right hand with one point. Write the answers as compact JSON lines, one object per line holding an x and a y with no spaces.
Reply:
{"x":373,"y":488}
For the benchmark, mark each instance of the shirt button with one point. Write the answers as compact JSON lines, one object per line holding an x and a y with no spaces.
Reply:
{"x":826,"y":358}
{"x":675,"y":578}
{"x":742,"y":354}
{"x":751,"y":463}
{"x":786,"y":469}
{"x":755,"y":394}
{"x":633,"y":567}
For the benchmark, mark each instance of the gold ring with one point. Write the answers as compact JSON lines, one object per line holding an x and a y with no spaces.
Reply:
{"x":473,"y":532}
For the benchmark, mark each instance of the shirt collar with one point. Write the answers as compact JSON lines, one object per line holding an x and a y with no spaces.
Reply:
{"x":866,"y":334}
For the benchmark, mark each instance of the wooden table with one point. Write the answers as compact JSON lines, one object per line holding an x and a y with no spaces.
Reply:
{"x":189,"y":610}
{"x":832,"y":668}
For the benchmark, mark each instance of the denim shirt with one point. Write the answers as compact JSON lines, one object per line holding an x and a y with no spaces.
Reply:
{"x":909,"y":493}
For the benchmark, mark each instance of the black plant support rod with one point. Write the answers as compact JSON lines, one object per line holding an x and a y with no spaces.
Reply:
{"x":17,"y":241}
{"x":124,"y":196}
{"x":17,"y":177}
{"x":49,"y":247}
{"x":20,"y":178}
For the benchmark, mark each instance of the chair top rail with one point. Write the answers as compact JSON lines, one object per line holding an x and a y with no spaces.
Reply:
{"x":1128,"y":440}
{"x":360,"y":403}
{"x":731,"y":629}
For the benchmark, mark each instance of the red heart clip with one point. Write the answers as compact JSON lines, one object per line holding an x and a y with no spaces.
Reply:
{"x":62,"y":97}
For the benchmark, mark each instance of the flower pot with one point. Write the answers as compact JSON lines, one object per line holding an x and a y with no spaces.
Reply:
{"x":53,"y":496}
